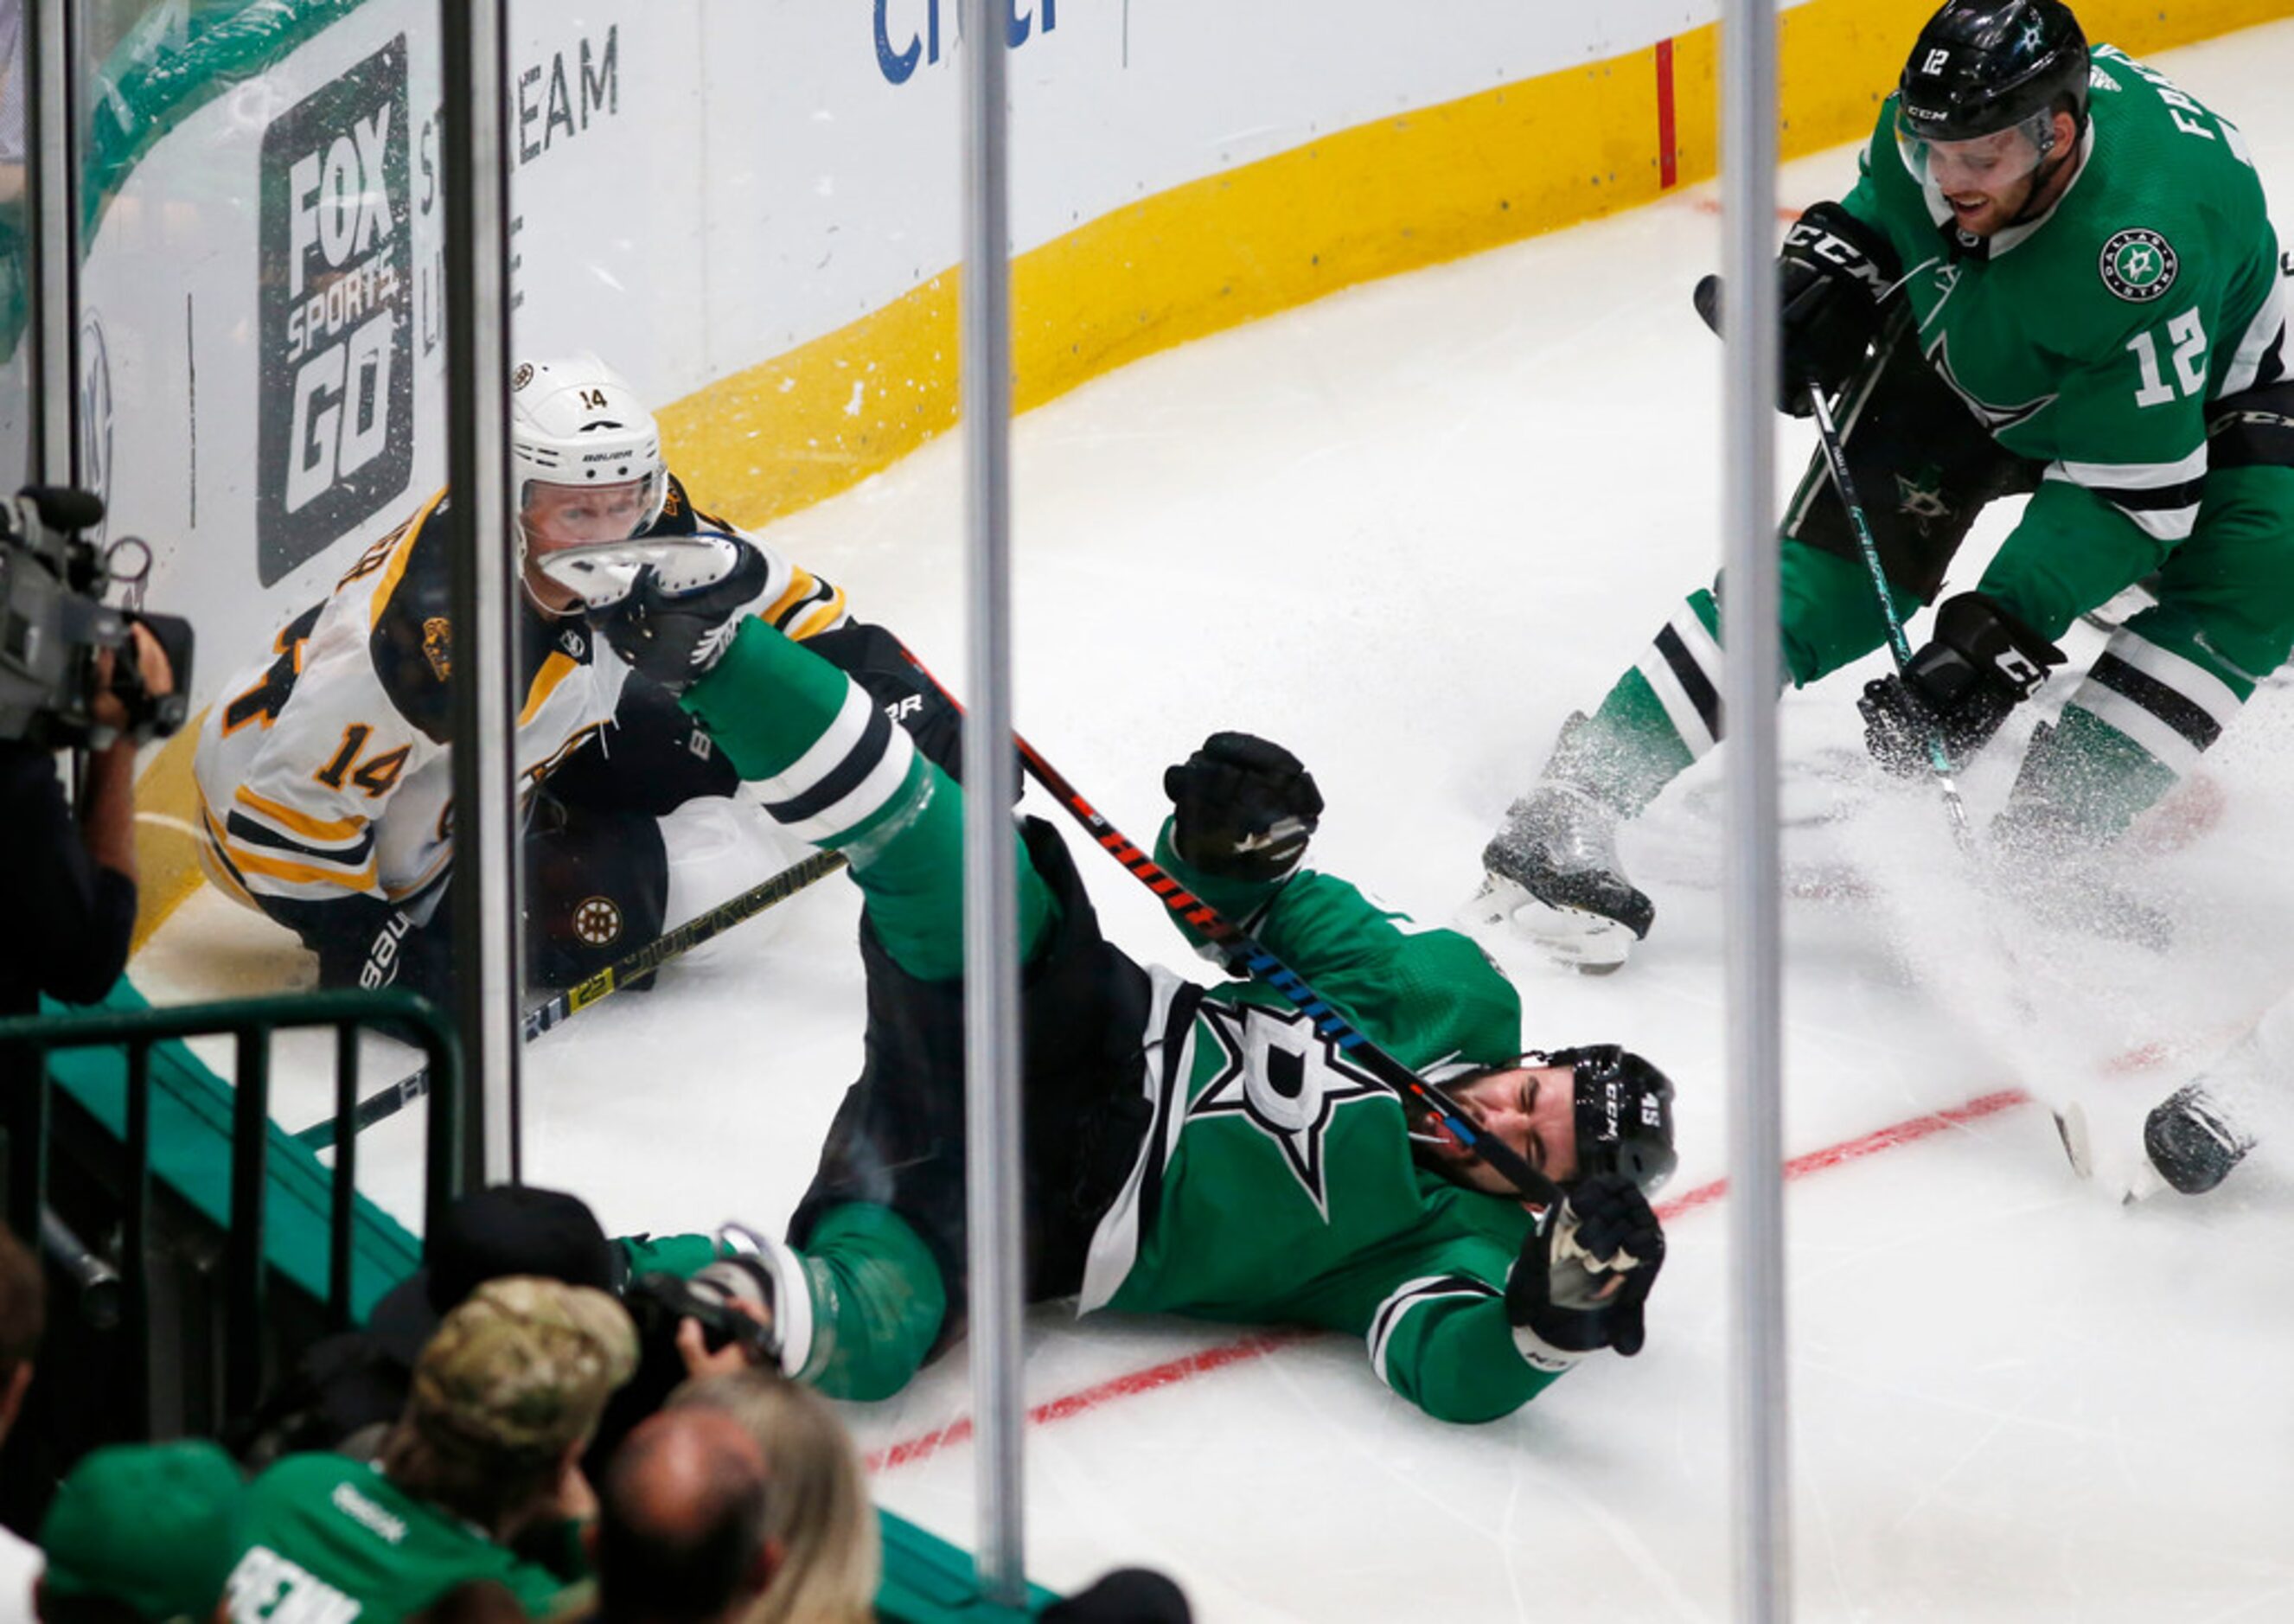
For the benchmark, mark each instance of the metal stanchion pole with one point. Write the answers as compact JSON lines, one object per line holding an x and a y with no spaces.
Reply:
{"x":488,"y":981}
{"x":990,"y":863}
{"x":1750,"y":634}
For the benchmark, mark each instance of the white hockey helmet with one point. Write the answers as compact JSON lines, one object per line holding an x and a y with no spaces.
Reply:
{"x":575,"y":421}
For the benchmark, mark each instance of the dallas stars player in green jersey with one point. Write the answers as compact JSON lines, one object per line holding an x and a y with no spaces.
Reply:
{"x":2054,"y":275}
{"x":1188,"y":1150}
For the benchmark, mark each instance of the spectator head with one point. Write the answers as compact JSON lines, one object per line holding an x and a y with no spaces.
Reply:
{"x":489,"y":1234}
{"x":23,"y":1318}
{"x":140,"y":1532}
{"x":820,"y":1530}
{"x":680,"y":1530}
{"x":1128,"y":1596}
{"x":506,"y":1396}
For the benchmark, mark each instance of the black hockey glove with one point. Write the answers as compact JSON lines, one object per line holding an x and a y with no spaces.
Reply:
{"x":1246,"y":808}
{"x":1834,"y":273}
{"x":1583,"y":1274}
{"x":681,"y":605}
{"x":1981,"y":663}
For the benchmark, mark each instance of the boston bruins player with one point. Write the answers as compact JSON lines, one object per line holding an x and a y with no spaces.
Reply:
{"x":1203,"y":1151}
{"x":324,"y":769}
{"x":2055,"y":275}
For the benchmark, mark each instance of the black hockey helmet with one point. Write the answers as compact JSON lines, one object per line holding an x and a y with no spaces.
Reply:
{"x":1982,"y":66}
{"x":1625,"y":1113}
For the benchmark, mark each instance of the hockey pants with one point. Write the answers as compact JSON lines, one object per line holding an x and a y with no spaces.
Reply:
{"x":2163,"y":690}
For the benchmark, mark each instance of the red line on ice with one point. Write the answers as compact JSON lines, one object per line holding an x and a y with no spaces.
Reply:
{"x":1668,"y":155}
{"x":1260,"y":1343}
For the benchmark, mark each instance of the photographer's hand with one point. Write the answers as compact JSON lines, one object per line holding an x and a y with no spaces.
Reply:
{"x":108,"y":818}
{"x":152,"y":669}
{"x":694,"y":1349}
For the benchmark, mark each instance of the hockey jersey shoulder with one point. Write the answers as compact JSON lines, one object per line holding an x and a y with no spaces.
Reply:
{"x":410,"y":633}
{"x":796,"y":602}
{"x":2167,"y":206}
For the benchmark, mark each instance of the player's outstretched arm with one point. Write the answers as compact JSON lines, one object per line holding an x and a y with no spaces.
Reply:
{"x":1438,"y":1324}
{"x":1583,"y":1273}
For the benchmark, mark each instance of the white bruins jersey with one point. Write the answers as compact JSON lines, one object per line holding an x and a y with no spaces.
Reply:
{"x":325,"y":770}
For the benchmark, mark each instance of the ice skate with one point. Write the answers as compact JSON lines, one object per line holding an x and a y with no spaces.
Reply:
{"x":2192,"y":1140}
{"x":1553,"y":876}
{"x":2044,"y":858}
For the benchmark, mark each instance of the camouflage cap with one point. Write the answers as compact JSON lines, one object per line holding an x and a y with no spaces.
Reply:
{"x":149,"y":1526}
{"x":524,"y":1367}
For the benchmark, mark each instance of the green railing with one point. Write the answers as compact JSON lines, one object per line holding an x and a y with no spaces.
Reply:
{"x":260,"y":1157}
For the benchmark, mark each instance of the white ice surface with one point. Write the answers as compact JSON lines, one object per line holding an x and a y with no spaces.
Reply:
{"x":1405,"y":530}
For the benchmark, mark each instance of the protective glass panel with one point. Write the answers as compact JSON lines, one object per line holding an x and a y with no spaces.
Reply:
{"x":17,"y":266}
{"x":263,"y":361}
{"x":1363,"y":410}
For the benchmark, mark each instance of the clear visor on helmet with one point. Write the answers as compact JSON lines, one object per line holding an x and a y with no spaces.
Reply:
{"x":552,"y":515}
{"x":1982,"y":163}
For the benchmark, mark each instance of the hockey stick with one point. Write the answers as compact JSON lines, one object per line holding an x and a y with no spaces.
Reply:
{"x":1836,"y":457}
{"x":560,"y":1006}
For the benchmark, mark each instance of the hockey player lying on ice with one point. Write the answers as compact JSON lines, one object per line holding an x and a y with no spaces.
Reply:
{"x":1189,"y":1150}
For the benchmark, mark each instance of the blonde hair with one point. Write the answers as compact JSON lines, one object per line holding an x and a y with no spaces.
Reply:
{"x":817,"y":1506}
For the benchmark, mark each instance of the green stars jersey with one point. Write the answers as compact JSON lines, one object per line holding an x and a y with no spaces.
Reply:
{"x":328,"y":1539}
{"x":2092,"y":339}
{"x":1277,"y":1185}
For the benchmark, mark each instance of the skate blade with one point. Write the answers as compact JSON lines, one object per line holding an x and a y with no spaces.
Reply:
{"x":2145,"y":1183}
{"x":1590,"y":943}
{"x":2079,"y":1140}
{"x":2079,"y":1146}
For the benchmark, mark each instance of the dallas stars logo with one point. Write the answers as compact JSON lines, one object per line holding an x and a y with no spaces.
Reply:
{"x":1286,"y":1080}
{"x":2138,"y":265}
{"x":1920,"y":496}
{"x":1999,"y":419}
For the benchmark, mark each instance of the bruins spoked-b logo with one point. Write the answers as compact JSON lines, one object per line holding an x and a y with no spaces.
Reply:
{"x":598,"y":921}
{"x":336,"y":419}
{"x":2138,"y":265}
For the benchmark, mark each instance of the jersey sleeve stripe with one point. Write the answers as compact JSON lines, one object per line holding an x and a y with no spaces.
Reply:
{"x":396,"y":568}
{"x":810,"y":605}
{"x":251,"y":863}
{"x":554,"y":669}
{"x":2161,"y":499}
{"x":244,"y":834}
{"x":2127,"y":476}
{"x":220,"y":870}
{"x":1411,"y":1294}
{"x":323,"y":831}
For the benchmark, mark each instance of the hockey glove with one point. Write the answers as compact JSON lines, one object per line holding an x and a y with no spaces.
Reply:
{"x":1981,"y":663}
{"x":1246,"y":808}
{"x":1583,"y":1274}
{"x":1834,"y":273}
{"x":681,"y":605}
